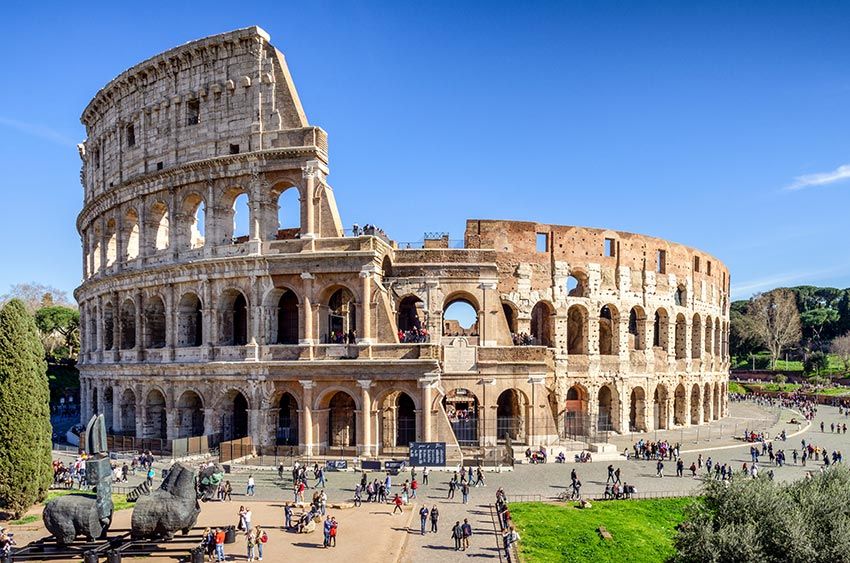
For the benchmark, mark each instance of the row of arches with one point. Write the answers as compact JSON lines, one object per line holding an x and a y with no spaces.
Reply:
{"x":709,"y":337}
{"x":188,"y":224}
{"x":129,"y":326}
{"x":149,"y":416}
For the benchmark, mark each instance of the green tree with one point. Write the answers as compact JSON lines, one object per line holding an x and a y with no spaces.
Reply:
{"x":62,"y":320}
{"x":25,"y":431}
{"x":816,"y":362}
{"x":816,"y":322}
{"x":763,"y":520}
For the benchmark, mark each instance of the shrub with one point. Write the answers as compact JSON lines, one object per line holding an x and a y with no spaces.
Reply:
{"x":761,"y":520}
{"x":780,"y":378}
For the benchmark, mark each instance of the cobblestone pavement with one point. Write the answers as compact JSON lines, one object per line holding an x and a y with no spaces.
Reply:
{"x":550,"y":479}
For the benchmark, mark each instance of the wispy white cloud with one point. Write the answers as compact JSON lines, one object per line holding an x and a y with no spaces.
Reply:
{"x":40,"y":131}
{"x":820,"y":179}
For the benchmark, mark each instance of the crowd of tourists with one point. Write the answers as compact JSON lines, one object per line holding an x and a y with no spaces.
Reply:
{"x":413,"y":336}
{"x":523,"y":339}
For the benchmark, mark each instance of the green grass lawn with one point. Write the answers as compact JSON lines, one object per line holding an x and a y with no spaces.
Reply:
{"x":735,"y":387}
{"x":834,"y":391}
{"x":118,"y":501}
{"x":642,"y":530}
{"x":783,"y":387}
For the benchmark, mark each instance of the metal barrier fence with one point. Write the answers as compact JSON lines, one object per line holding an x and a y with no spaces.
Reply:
{"x":235,"y":449}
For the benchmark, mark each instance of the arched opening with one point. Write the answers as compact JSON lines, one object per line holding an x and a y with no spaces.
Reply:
{"x":661,"y":329}
{"x":190,"y":321}
{"x":542,"y":327}
{"x":241,"y":219}
{"x":607,"y":418}
{"x":659,"y":407}
{"x":577,"y":330}
{"x":386,"y":267}
{"x":460,"y":318}
{"x":577,"y":285}
{"x":234,"y":423}
{"x":510,"y":316}
{"x":154,"y":322}
{"x":717,"y":339}
{"x":234,"y":318}
{"x":131,"y":235}
{"x":398,"y":420}
{"x":128,"y":325}
{"x":709,"y":336}
{"x":342,"y":429}
{"x":461,"y":406}
{"x":193,"y":226}
{"x":706,"y":403}
{"x":156,"y":424}
{"x":108,"y":399}
{"x":287,"y":421}
{"x":681,"y":350}
{"x":696,"y":337}
{"x":190,"y":415}
{"x":288,"y":214}
{"x":609,"y":339}
{"x":287,"y":318}
{"x":128,"y":413}
{"x":680,"y":296}
{"x":679,"y":412}
{"x":695,"y":404}
{"x":111,"y":243}
{"x":637,"y":410}
{"x":575,"y":412}
{"x":637,"y":329}
{"x":160,"y":221}
{"x":409,"y":318}
{"x":342,"y":317}
{"x":510,"y":416}
{"x":108,"y":326}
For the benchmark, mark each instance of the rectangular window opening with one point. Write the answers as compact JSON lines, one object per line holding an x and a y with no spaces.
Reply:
{"x":610,"y":247}
{"x":234,"y":149}
{"x":193,"y":112}
{"x":131,"y":135}
{"x":159,"y":166}
{"x":661,"y":262}
{"x":708,"y":267}
{"x":542,"y":242}
{"x":696,"y":263}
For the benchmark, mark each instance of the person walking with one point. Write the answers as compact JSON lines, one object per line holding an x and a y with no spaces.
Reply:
{"x":423,"y":519}
{"x":398,"y":505}
{"x":466,"y":530}
{"x":659,"y":469}
{"x":610,"y":474}
{"x":250,"y":489}
{"x":435,"y":515}
{"x":452,"y":485}
{"x":413,"y":486}
{"x":457,"y":535}
{"x":464,"y":491}
{"x":617,"y":476}
{"x":320,"y":478}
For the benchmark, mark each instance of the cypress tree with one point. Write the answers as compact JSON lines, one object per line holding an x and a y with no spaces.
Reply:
{"x":25,"y":431}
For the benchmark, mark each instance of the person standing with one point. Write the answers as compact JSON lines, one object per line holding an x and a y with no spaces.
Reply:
{"x":251,"y":541}
{"x":320,"y":478}
{"x":219,"y":544}
{"x":287,"y":516}
{"x":435,"y":515}
{"x":452,"y":485}
{"x":334,"y":526}
{"x":327,"y":531}
{"x":248,"y":519}
{"x":659,"y":469}
{"x":457,"y":535}
{"x":464,"y":491}
{"x":425,"y":473}
{"x":423,"y":519}
{"x":466,"y":530}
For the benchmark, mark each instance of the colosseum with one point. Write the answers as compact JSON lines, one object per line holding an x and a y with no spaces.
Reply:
{"x":223,"y":297}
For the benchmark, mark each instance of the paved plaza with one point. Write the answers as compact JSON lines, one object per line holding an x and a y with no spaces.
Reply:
{"x":372,"y":533}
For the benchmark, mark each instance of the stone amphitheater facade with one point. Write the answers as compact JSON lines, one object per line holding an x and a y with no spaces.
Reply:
{"x":336,"y":342}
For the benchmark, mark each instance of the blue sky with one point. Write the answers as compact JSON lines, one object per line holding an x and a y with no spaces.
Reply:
{"x":721,"y":125}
